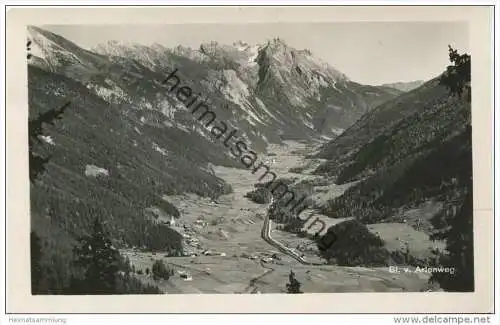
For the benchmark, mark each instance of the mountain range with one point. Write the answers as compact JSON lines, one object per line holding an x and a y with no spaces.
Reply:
{"x":404,"y":86}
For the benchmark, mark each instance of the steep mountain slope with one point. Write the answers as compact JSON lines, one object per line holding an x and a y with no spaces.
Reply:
{"x":409,"y":151}
{"x":102,"y":162}
{"x":405,"y":86}
{"x":299,"y":81}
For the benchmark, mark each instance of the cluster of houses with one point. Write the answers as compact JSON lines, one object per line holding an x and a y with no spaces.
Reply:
{"x":200,"y":223}
{"x":191,"y":241}
{"x":196,"y":247}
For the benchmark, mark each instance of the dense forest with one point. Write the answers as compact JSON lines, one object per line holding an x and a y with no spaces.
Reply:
{"x":63,"y":221}
{"x":404,"y":153}
{"x":96,"y":267}
{"x":354,"y":245}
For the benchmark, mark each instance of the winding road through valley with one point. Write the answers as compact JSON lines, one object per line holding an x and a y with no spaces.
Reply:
{"x":266,"y":235}
{"x":232,"y":247}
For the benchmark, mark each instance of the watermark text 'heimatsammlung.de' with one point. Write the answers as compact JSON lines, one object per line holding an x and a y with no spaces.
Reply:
{"x":237,"y":146}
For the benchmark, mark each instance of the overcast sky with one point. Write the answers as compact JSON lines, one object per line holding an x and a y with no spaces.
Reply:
{"x":367,"y":52}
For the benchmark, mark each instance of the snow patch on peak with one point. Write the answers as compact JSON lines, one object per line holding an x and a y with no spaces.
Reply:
{"x":241,"y":45}
{"x":236,"y":91}
{"x":264,"y":108}
{"x":235,"y":88}
{"x":48,"y":50}
{"x":253,"y":52}
{"x":37,"y":50}
{"x":190,"y":53}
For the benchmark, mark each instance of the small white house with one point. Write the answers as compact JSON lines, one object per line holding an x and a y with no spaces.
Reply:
{"x":93,"y":170}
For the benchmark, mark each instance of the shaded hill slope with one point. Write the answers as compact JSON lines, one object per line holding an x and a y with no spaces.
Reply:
{"x":407,"y":151}
{"x":102,"y":162}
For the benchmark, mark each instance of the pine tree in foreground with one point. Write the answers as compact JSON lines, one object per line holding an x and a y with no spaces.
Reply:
{"x":460,"y":249}
{"x":160,"y":270}
{"x":460,"y":234}
{"x":293,"y":286}
{"x":99,"y":260}
{"x":36,"y":268}
{"x":458,"y":75}
{"x":37,"y":163}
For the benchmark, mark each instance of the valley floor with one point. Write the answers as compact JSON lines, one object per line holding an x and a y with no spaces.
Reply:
{"x":228,"y":255}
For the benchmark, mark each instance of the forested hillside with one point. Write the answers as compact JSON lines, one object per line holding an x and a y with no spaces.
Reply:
{"x":408,"y":151}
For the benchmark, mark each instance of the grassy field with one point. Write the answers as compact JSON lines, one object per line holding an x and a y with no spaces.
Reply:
{"x":397,"y":235}
{"x":217,"y":274}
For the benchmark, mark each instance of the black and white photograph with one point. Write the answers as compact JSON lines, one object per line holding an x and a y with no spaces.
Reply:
{"x":287,"y":158}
